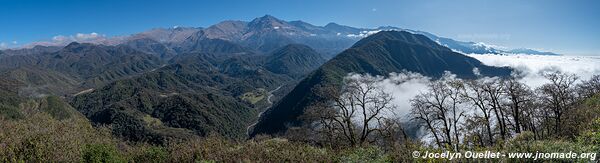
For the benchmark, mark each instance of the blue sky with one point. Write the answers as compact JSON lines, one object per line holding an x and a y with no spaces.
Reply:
{"x":568,"y":27}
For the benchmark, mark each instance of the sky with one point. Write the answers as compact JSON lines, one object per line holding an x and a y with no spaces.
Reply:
{"x":570,"y":27}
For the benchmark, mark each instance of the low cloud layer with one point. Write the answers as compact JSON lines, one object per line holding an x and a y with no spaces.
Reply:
{"x":532,"y":65}
{"x":404,"y":86}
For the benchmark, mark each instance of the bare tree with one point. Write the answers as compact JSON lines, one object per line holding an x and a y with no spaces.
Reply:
{"x":358,"y":113}
{"x":425,"y":114}
{"x":439,"y":109}
{"x":454,"y":93}
{"x":519,"y":96}
{"x":492,"y":90}
{"x":558,"y":95}
{"x":475,"y":95}
{"x":475,"y":132}
{"x":589,"y":87}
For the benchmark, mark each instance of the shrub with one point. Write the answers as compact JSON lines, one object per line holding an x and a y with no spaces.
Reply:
{"x":38,"y":137}
{"x":151,"y":154}
{"x":525,"y":143}
{"x":57,"y":108}
{"x":591,"y":136}
{"x":100,"y":153}
{"x":368,"y":154}
{"x":10,"y":112}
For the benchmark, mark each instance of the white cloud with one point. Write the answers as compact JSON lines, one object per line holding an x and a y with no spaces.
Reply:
{"x":532,"y":65}
{"x":3,"y":45}
{"x":403,"y":87}
{"x":363,"y":34}
{"x":85,"y":36}
{"x":59,"y":38}
{"x":490,"y":47}
{"x":374,"y":9}
{"x":15,"y":42}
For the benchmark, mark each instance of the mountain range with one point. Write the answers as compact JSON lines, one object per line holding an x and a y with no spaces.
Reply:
{"x":267,"y":33}
{"x":181,"y":82}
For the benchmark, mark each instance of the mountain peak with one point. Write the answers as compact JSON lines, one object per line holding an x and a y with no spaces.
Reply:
{"x":267,"y":16}
{"x":341,"y":28}
{"x":267,"y":21}
{"x":301,"y":23}
{"x":228,"y":26}
{"x":403,"y":36}
{"x":78,"y":47}
{"x":332,"y":24}
{"x":72,"y":44}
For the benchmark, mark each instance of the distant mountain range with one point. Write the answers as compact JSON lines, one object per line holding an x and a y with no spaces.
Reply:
{"x":267,"y":33}
{"x":79,"y":65}
{"x":180,"y":82}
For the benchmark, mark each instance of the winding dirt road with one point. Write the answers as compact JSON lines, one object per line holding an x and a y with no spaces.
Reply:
{"x":270,"y":94}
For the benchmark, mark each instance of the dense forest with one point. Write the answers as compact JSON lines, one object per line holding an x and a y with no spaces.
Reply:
{"x":498,"y":114}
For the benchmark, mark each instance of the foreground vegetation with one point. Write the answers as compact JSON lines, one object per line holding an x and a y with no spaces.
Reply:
{"x":39,"y":136}
{"x":46,"y":129}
